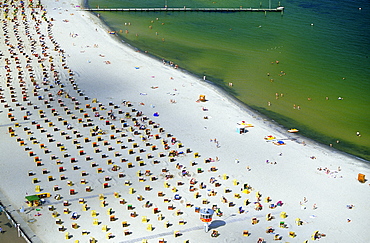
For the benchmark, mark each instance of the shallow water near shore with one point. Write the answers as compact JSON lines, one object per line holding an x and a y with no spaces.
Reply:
{"x":322,"y":50}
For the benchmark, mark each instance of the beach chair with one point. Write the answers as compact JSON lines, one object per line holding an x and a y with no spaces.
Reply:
{"x":109,"y":236}
{"x":283,"y":215}
{"x":361,"y":178}
{"x":104,"y":228}
{"x":37,"y":189}
{"x":277,"y":237}
{"x":95,"y":222}
{"x":254,"y":220}
{"x":149,"y":227}
{"x":298,"y":221}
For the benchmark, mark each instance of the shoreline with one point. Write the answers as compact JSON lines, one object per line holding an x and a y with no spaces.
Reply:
{"x":318,"y":137}
{"x":105,"y":69}
{"x":219,"y":89}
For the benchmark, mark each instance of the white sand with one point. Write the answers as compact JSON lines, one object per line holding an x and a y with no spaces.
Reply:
{"x":131,"y":76}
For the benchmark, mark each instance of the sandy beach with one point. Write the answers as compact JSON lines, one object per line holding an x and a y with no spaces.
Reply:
{"x":134,"y":153}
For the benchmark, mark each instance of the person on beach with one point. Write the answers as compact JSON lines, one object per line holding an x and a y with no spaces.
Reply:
{"x":350,"y":206}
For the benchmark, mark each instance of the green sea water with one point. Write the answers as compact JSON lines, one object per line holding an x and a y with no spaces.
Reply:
{"x":322,"y":48}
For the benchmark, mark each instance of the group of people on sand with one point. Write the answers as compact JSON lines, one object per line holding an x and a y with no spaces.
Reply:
{"x":170,"y":63}
{"x":332,"y":173}
{"x":184,"y":172}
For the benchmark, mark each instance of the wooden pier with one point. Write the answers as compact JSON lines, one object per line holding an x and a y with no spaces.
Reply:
{"x":185,"y":9}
